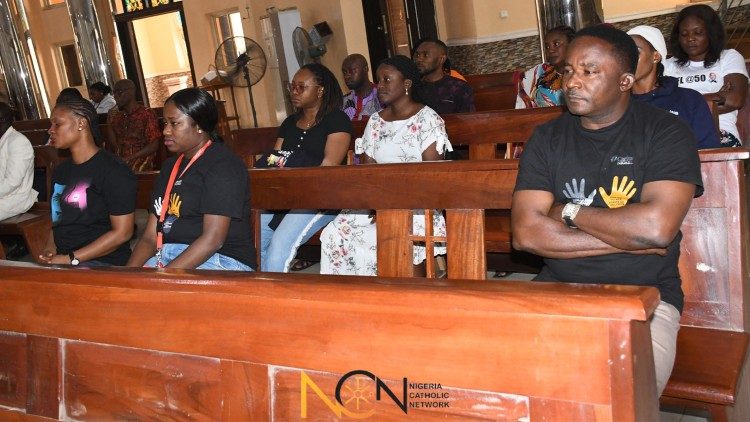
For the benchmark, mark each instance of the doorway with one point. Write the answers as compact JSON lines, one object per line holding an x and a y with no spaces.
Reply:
{"x":394,"y":26}
{"x":156,"y":52}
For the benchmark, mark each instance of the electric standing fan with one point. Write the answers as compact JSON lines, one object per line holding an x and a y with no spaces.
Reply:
{"x":241,"y":62}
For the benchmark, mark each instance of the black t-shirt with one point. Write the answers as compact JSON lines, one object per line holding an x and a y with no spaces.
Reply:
{"x":312,"y":142}
{"x":448,"y":95}
{"x":215,"y":184}
{"x":85,"y":196}
{"x":646,"y":145}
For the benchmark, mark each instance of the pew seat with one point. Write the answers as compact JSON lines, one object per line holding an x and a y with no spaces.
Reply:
{"x":707,"y":366}
{"x":33,"y":226}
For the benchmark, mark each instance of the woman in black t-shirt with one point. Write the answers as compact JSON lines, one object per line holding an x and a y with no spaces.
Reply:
{"x":201,"y":202}
{"x":317,"y":134}
{"x":93,"y":198}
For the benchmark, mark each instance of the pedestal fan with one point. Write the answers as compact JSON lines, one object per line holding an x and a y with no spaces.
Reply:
{"x":241,"y":62}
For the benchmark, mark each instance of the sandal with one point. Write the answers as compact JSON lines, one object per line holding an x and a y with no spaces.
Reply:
{"x":301,"y":264}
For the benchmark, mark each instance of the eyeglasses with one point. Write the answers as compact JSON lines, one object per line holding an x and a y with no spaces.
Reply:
{"x":297,"y":88}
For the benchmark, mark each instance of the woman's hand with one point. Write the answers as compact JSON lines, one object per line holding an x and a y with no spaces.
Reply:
{"x":48,"y":257}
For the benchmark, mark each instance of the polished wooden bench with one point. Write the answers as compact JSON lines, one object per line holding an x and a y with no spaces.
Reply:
{"x":113,"y":343}
{"x":712,"y":372}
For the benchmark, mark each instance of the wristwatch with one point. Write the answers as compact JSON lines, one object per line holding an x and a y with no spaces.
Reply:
{"x":73,"y":260}
{"x":569,"y":212}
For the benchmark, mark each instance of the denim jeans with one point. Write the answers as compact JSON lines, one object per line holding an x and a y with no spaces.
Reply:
{"x":216,"y":261}
{"x":278,"y":247}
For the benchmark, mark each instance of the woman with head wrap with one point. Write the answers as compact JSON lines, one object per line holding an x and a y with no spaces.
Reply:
{"x":404,"y":131}
{"x":93,"y":195}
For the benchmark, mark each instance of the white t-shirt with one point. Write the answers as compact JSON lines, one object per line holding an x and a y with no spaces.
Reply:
{"x":710,"y":80}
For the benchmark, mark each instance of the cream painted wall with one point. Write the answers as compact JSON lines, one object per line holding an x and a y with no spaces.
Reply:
{"x":347,"y":39}
{"x":158,"y":50}
{"x":50,"y":27}
{"x":521,"y":16}
{"x":477,"y":21}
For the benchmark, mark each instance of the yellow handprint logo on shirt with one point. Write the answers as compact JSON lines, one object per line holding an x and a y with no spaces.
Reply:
{"x":621,"y":192}
{"x":174,"y":205}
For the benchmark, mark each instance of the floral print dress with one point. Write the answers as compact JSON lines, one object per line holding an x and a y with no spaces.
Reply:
{"x":348,"y":243}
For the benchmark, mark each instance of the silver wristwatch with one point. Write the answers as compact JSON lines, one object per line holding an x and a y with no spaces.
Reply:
{"x":73,"y":260}
{"x":569,"y":212}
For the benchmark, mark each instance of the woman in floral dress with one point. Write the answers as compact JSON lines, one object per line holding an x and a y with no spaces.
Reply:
{"x":405,"y":131}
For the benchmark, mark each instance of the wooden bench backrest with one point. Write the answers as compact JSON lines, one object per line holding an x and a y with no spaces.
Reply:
{"x":490,"y":80}
{"x":78,"y":344}
{"x":481,"y":131}
{"x":714,"y":259}
{"x":473,"y":185}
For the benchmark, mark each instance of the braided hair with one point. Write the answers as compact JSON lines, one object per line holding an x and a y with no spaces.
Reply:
{"x":83,"y":108}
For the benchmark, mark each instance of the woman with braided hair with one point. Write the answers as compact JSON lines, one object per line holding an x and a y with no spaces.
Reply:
{"x":93,"y":195}
{"x":405,"y":131}
{"x":201,"y":202}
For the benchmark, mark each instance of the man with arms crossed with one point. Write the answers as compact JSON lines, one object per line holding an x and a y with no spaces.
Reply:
{"x":602,"y":190}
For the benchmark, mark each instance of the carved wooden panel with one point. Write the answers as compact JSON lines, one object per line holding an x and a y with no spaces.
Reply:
{"x":704,"y":268}
{"x":13,"y":370}
{"x":45,"y":370}
{"x":114,"y":383}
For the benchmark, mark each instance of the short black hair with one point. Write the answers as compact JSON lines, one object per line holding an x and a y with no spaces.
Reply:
{"x":447,"y":64}
{"x":714,"y":30}
{"x":623,"y":46}
{"x":200,"y":106}
{"x":569,"y":32}
{"x":101,"y":87}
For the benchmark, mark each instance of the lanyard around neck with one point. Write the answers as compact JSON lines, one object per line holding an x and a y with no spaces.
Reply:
{"x":168,"y":191}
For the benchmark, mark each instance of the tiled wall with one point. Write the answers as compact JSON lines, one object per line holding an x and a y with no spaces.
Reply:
{"x":157,"y":89}
{"x":522,"y":53}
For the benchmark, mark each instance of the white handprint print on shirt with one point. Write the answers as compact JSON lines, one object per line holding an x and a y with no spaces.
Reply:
{"x":577,"y":194}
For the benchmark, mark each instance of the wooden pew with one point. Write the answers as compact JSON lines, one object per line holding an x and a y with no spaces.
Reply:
{"x":494,"y":91}
{"x":146,"y":344}
{"x":484,"y":133}
{"x":712,"y":371}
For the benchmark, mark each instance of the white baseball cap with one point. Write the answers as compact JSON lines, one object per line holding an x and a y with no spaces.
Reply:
{"x":654,"y":37}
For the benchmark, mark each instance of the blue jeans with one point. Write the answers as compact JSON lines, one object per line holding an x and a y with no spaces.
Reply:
{"x":216,"y":261}
{"x":278,"y":247}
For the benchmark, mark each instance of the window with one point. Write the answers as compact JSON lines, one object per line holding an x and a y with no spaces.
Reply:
{"x":227,"y":25}
{"x":52,"y":3}
{"x":68,"y":58}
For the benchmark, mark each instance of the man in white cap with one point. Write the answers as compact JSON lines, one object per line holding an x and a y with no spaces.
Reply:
{"x":651,"y":86}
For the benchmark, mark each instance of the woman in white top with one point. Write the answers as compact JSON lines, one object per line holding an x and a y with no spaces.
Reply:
{"x":404,"y":131}
{"x":101,"y":97}
{"x":702,"y":63}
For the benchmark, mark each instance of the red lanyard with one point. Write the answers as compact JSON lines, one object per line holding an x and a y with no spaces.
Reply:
{"x":165,"y":199}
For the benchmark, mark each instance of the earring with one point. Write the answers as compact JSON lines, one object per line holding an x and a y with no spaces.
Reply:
{"x":200,"y":131}
{"x":407,"y":92}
